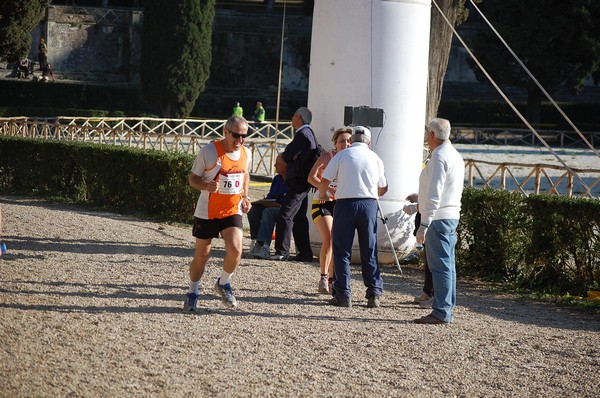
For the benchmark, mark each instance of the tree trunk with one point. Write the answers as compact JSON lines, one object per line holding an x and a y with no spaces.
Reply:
{"x":440,"y":42}
{"x":534,"y":106}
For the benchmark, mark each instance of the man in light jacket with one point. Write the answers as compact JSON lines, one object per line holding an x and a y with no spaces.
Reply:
{"x":440,"y":192}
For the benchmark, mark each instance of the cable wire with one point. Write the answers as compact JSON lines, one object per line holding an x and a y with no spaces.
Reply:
{"x":514,"y":108}
{"x":516,"y":57}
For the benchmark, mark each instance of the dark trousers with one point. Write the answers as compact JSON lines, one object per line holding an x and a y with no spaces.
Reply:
{"x":428,"y":286}
{"x":292,"y":220}
{"x":358,"y":216}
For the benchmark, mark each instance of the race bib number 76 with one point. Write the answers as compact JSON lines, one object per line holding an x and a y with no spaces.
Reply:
{"x":231,"y":184}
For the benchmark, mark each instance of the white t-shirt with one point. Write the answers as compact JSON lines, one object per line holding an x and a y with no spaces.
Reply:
{"x":359,"y":172}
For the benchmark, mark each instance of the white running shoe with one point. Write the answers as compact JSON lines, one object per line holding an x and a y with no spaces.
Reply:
{"x":323,"y":285}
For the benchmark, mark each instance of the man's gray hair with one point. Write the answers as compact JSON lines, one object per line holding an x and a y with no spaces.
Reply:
{"x":235,"y":121}
{"x":305,"y":114}
{"x":441,"y":129}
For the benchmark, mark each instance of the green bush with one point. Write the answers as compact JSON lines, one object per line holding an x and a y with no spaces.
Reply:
{"x":565,"y":243}
{"x":117,"y":178}
{"x":492,"y":237}
{"x":540,"y":242}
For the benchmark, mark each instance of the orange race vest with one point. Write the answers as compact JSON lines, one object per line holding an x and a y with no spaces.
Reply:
{"x":226,"y":202}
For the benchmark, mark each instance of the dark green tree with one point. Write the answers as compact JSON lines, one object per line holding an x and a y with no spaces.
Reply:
{"x":558,"y":41}
{"x":176,"y":54}
{"x":17,"y":20}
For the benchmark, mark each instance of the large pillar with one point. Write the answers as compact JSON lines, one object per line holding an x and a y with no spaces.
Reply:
{"x":375,"y":53}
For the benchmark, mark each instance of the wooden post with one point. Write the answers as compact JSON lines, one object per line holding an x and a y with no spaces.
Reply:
{"x":538,"y":177}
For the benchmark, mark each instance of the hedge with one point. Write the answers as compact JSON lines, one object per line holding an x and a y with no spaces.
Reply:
{"x":541,"y":242}
{"x":122,"y":179}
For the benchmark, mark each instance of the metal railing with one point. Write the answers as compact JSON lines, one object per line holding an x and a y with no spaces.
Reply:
{"x":502,"y":136}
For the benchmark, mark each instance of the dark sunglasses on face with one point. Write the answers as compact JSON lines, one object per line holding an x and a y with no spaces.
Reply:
{"x":238,"y":136}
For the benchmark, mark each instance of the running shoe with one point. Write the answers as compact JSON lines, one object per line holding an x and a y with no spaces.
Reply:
{"x":191,"y":302}
{"x":323,"y":285}
{"x":226,"y":294}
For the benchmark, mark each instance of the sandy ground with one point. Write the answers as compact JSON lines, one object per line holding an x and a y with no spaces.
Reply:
{"x":90,"y":306}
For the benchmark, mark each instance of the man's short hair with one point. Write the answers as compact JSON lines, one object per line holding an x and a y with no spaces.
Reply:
{"x":361,"y":134}
{"x":235,"y":121}
{"x":305,"y":114}
{"x":441,"y":129}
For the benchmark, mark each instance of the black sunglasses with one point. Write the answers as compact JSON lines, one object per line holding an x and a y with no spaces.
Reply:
{"x":237,"y":135}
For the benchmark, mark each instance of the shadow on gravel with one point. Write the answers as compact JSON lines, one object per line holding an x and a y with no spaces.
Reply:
{"x":113,"y":292}
{"x":513,"y":309}
{"x":96,"y":290}
{"x":94,"y":309}
{"x":508,"y":307}
{"x":87,"y":246}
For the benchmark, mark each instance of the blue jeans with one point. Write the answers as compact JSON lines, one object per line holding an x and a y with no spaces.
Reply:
{"x":262,"y":222}
{"x":439,"y":249}
{"x":360,"y":215}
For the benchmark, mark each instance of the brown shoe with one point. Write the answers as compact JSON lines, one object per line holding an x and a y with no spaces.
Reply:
{"x":430,"y":320}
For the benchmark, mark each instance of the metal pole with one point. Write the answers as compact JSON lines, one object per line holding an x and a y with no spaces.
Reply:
{"x":279,"y":87}
{"x":384,"y":221}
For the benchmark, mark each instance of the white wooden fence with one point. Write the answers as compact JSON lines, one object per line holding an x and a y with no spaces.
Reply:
{"x":266,"y":140}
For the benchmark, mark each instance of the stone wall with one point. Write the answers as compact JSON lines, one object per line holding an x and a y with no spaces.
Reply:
{"x":92,"y":44}
{"x":103,"y":44}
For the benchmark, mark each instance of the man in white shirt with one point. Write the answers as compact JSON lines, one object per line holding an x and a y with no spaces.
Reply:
{"x":440,"y":192}
{"x":361,"y":180}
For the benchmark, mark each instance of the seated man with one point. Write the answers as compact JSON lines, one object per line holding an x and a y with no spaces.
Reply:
{"x":263,"y":213}
{"x":23,"y":69}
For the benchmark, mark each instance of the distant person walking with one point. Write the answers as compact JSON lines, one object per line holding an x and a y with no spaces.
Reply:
{"x":42,"y":53}
{"x":47,"y":73}
{"x":237,"y":110}
{"x":259,"y":113}
{"x":440,"y":192}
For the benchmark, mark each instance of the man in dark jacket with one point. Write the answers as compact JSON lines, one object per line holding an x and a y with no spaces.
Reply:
{"x":292,"y":213}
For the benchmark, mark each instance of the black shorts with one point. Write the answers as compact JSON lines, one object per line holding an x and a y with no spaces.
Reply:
{"x":321,"y":209}
{"x":208,"y":229}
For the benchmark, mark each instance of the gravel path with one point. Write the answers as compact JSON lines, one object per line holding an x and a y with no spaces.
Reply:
{"x":90,"y":307}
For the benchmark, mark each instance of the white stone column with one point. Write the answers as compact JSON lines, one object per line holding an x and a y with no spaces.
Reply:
{"x":375,"y":53}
